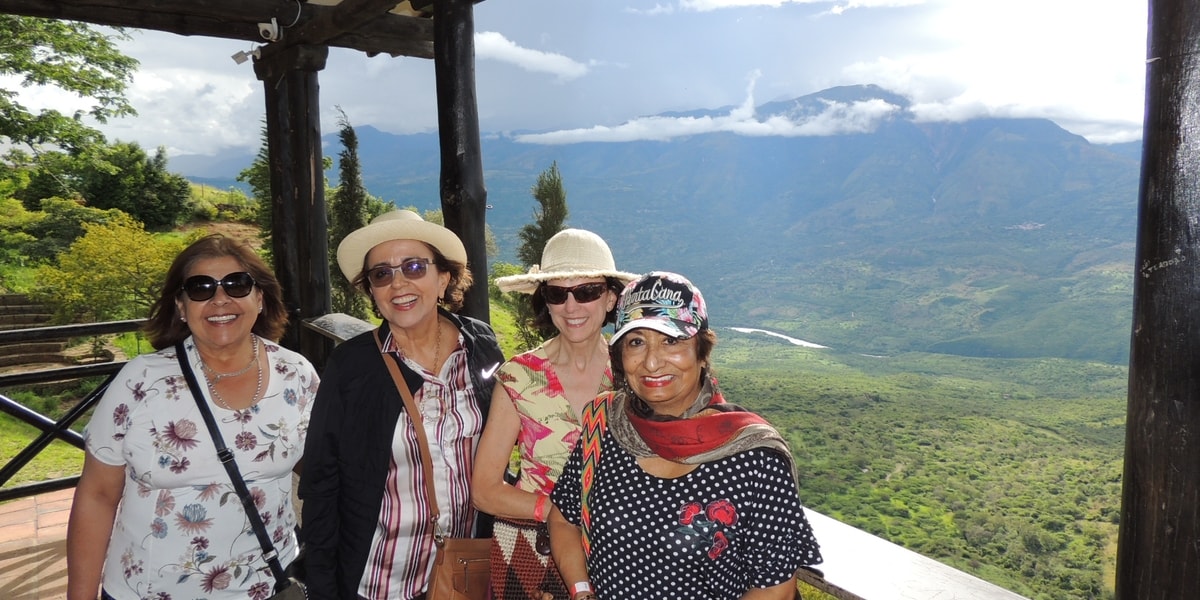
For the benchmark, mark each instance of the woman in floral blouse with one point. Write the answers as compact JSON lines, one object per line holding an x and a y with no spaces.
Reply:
{"x":673,"y":493}
{"x":155,"y":515}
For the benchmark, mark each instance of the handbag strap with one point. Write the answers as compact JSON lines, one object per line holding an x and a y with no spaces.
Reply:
{"x":595,"y":417}
{"x":225,"y":455}
{"x":410,"y":405}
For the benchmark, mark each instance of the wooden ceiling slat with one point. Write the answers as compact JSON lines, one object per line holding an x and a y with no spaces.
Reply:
{"x":379,"y":33}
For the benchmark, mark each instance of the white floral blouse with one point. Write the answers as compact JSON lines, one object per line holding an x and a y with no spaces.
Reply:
{"x":180,"y":532}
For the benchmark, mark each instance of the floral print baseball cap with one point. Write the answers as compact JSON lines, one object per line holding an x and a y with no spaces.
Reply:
{"x":665,"y":302}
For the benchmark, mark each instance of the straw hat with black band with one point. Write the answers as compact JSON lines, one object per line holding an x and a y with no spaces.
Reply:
{"x":396,"y":225}
{"x":571,"y":253}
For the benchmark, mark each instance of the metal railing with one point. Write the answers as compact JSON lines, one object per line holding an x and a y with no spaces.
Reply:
{"x":51,"y":429}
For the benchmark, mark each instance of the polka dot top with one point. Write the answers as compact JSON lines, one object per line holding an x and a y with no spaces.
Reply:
{"x":713,"y":533}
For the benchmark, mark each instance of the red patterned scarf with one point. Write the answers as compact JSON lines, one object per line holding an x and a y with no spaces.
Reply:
{"x":709,"y":430}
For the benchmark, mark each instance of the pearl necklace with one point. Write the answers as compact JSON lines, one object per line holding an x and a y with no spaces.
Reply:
{"x":216,"y":377}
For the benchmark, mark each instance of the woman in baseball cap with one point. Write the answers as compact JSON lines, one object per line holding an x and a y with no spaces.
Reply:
{"x":672,"y":488}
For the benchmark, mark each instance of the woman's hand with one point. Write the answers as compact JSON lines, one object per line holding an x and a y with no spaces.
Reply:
{"x":566,"y":546}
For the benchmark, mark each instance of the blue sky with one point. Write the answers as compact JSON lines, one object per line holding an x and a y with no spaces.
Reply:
{"x":575,"y":70}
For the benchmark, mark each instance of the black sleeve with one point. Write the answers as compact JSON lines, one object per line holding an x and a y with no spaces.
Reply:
{"x":319,"y":487}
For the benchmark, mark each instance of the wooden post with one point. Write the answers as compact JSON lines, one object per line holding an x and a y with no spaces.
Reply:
{"x":299,"y":227}
{"x":464,"y":198}
{"x":1158,"y":552}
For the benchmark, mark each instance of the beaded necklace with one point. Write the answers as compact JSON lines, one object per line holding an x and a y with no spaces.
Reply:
{"x":216,"y":377}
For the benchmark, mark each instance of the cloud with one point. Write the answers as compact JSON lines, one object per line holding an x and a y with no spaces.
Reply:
{"x":836,"y":118}
{"x":839,"y":6}
{"x":494,"y":46}
{"x":992,"y":60}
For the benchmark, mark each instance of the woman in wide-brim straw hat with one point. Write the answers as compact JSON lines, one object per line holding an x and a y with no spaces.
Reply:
{"x":538,"y":403}
{"x":366,"y":522}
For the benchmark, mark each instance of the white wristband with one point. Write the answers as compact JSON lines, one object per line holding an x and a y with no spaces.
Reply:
{"x":581,"y":587}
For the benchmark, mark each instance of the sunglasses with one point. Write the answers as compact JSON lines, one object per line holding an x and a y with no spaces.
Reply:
{"x":584,"y":292}
{"x":413,"y":268}
{"x":202,"y":287}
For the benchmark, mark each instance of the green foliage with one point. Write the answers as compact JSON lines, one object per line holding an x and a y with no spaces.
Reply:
{"x":548,"y":220}
{"x":126,"y":178}
{"x":348,"y":208}
{"x":258,"y":177}
{"x":14,"y":240}
{"x":516,"y":307}
{"x":113,"y":272}
{"x":233,"y":204}
{"x":72,"y":57}
{"x":58,"y":224}
{"x":1007,"y":469}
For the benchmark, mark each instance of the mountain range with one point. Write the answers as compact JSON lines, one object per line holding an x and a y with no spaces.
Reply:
{"x":987,"y":237}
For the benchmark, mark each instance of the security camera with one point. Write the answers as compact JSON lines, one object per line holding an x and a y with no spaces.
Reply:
{"x":269,"y":31}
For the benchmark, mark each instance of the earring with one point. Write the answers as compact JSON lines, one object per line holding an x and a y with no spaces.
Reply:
{"x":183,"y":318}
{"x":259,"y":308}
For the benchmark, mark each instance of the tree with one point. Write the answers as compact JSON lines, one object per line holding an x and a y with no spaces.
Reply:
{"x":114,"y":271}
{"x":547,"y":220}
{"x":137,"y":184}
{"x":72,"y":57}
{"x":258,"y":177}
{"x":347,"y":212}
{"x":59,"y":222}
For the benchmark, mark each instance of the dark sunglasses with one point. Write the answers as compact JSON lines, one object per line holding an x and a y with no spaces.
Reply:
{"x":202,"y":287}
{"x":413,"y":268}
{"x":584,"y":292}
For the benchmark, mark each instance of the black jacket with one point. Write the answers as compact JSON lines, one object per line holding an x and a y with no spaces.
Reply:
{"x":348,"y":449}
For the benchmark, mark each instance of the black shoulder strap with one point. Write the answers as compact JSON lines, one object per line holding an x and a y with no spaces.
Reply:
{"x":225,"y":455}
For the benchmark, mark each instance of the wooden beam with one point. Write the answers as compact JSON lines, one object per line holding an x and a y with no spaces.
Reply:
{"x":385,"y":33}
{"x":1158,"y":554}
{"x":299,"y":227}
{"x":464,"y":197}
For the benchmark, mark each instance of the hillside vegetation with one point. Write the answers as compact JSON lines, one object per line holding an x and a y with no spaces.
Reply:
{"x":1007,"y":469}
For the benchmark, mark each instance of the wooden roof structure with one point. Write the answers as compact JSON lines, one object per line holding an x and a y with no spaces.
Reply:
{"x":1158,"y":554}
{"x":296,"y":37}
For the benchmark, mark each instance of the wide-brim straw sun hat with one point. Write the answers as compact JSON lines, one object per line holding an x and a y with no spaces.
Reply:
{"x":571,"y":253}
{"x":396,"y":225}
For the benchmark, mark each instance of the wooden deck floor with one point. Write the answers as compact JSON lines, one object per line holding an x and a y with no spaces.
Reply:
{"x":33,"y":547}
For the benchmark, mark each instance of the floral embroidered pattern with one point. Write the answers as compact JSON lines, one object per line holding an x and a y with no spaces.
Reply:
{"x":709,"y":525}
{"x":181,"y":532}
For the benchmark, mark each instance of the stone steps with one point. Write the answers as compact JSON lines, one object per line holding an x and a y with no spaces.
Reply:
{"x":19,"y":311}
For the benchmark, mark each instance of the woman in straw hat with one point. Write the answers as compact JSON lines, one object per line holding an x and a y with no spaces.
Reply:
{"x":538,"y":404}
{"x":366,"y":521}
{"x":673,"y":492}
